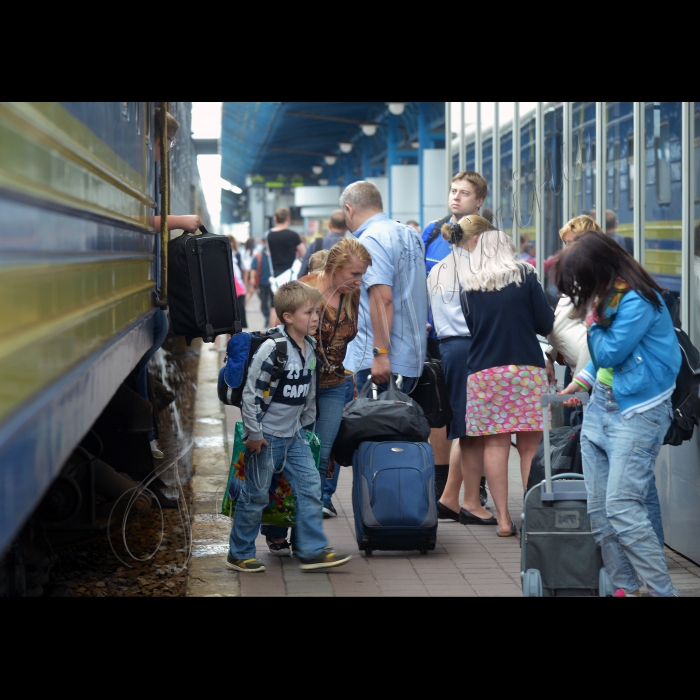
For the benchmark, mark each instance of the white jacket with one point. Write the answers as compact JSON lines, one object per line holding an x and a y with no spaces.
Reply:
{"x":568,"y":337}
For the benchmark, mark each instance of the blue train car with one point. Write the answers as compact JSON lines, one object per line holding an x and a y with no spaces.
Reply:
{"x":662,"y":158}
{"x":80,"y":280}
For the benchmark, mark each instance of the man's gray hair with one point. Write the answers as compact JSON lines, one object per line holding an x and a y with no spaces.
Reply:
{"x":362,"y":196}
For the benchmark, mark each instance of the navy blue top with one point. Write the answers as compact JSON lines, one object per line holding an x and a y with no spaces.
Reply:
{"x":505,"y":323}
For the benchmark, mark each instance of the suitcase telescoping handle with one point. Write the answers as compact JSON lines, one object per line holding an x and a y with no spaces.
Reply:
{"x":546,"y":400}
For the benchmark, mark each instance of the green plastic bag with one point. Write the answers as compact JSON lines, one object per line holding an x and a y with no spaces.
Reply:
{"x":281,"y":510}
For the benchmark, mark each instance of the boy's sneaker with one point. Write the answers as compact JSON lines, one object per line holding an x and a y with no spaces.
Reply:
{"x":328,"y":510}
{"x":279,"y":549}
{"x":248,"y":566}
{"x":325,"y":560}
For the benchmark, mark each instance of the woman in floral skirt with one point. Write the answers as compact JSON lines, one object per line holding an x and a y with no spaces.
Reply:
{"x":506,"y":308}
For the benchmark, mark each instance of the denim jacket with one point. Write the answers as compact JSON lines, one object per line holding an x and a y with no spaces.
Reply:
{"x":641,"y":347}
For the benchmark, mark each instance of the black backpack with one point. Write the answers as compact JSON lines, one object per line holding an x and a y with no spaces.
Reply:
{"x":239,"y":352}
{"x":430,"y":393}
{"x":684,"y":416}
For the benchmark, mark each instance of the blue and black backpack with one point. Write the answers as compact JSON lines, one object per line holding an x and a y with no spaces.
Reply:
{"x":239,"y":352}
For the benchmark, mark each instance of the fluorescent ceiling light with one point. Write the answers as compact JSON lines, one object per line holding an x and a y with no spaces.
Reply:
{"x":396,"y":107}
{"x":368,"y":129}
{"x":331,"y":159}
{"x":317,"y":169}
{"x":345,"y":146}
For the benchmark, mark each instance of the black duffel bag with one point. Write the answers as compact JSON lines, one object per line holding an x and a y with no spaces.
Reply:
{"x":431,"y":394}
{"x":390,"y":416}
{"x":565,"y":451}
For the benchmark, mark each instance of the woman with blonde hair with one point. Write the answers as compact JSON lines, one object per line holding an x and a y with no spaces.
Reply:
{"x":567,"y":340}
{"x":339,"y":282}
{"x":505,"y":308}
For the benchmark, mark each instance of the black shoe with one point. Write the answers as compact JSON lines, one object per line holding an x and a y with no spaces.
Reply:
{"x":467,"y":518}
{"x":445,"y":513}
{"x":483,"y":493}
{"x":279,"y":549}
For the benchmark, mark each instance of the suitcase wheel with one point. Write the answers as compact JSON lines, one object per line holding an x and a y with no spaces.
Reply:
{"x":368,"y":551}
{"x":424,"y":550}
{"x":532,"y":584}
{"x":605,"y":584}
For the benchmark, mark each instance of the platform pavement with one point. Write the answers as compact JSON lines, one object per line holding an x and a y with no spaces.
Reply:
{"x":467,"y":561}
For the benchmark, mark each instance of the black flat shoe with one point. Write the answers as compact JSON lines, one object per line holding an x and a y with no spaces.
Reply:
{"x":445,"y":513}
{"x":467,"y":518}
{"x":511,"y":533}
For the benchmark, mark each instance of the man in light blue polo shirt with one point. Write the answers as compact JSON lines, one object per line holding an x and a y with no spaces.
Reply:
{"x":391,"y":333}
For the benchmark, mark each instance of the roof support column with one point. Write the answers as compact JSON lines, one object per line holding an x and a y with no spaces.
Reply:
{"x":687,"y":189}
{"x":540,"y":185}
{"x":365,"y":157}
{"x":516,"y":174}
{"x":391,"y":155}
{"x":423,"y":143}
{"x":478,"y":161}
{"x":462,"y":140}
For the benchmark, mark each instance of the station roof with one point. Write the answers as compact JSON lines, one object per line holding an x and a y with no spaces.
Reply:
{"x":289,"y":138}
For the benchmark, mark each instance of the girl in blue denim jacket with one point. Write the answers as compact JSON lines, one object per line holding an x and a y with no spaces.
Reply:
{"x":632,"y":373}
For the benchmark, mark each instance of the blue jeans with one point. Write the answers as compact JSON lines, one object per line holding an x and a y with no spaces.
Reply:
{"x":294,"y":456}
{"x":363,"y":374}
{"x":160,"y":331}
{"x":331,"y":483}
{"x":330,"y":413}
{"x":618,"y":466}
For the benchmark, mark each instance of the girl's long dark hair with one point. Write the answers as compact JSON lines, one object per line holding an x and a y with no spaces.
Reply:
{"x":589,"y":266}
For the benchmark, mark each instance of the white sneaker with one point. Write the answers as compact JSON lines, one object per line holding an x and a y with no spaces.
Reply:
{"x":155,"y":450}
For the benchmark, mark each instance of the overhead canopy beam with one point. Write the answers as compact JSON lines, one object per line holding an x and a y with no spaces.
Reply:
{"x":299,"y":152}
{"x":330,"y":118}
{"x":206,"y":147}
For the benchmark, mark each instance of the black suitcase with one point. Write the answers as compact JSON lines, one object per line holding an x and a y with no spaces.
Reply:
{"x":201,"y":290}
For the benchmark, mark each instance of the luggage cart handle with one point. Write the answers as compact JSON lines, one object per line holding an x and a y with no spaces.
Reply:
{"x":560,"y":398}
{"x":546,"y":400}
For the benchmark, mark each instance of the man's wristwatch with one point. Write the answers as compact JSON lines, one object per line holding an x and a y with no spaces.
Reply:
{"x":380,"y":351}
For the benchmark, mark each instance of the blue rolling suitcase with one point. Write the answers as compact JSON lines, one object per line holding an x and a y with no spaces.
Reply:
{"x":393,"y":496}
{"x":559,"y":556}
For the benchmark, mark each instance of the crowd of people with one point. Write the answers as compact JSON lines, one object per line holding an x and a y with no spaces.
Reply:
{"x":376,"y":296}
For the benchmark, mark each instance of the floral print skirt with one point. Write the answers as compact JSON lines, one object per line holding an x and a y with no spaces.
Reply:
{"x":505,"y":400}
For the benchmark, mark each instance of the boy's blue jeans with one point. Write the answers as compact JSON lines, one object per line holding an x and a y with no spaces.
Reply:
{"x":330,"y":413}
{"x":294,"y":456}
{"x":618,"y":466}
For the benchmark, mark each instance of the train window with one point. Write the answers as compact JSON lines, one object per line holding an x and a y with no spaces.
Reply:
{"x":616,"y":176}
{"x":663,"y":164}
{"x":697,"y":164}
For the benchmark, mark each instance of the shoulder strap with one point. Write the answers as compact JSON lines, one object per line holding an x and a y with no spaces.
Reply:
{"x":435,"y":233}
{"x":280,"y":354}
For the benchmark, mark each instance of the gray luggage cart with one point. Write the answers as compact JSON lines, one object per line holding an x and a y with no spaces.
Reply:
{"x":559,"y":556}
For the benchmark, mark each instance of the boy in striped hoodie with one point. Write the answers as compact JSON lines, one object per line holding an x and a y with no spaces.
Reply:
{"x":275,"y":414}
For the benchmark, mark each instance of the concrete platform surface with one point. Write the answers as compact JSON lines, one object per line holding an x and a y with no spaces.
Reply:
{"x":468,"y":561}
